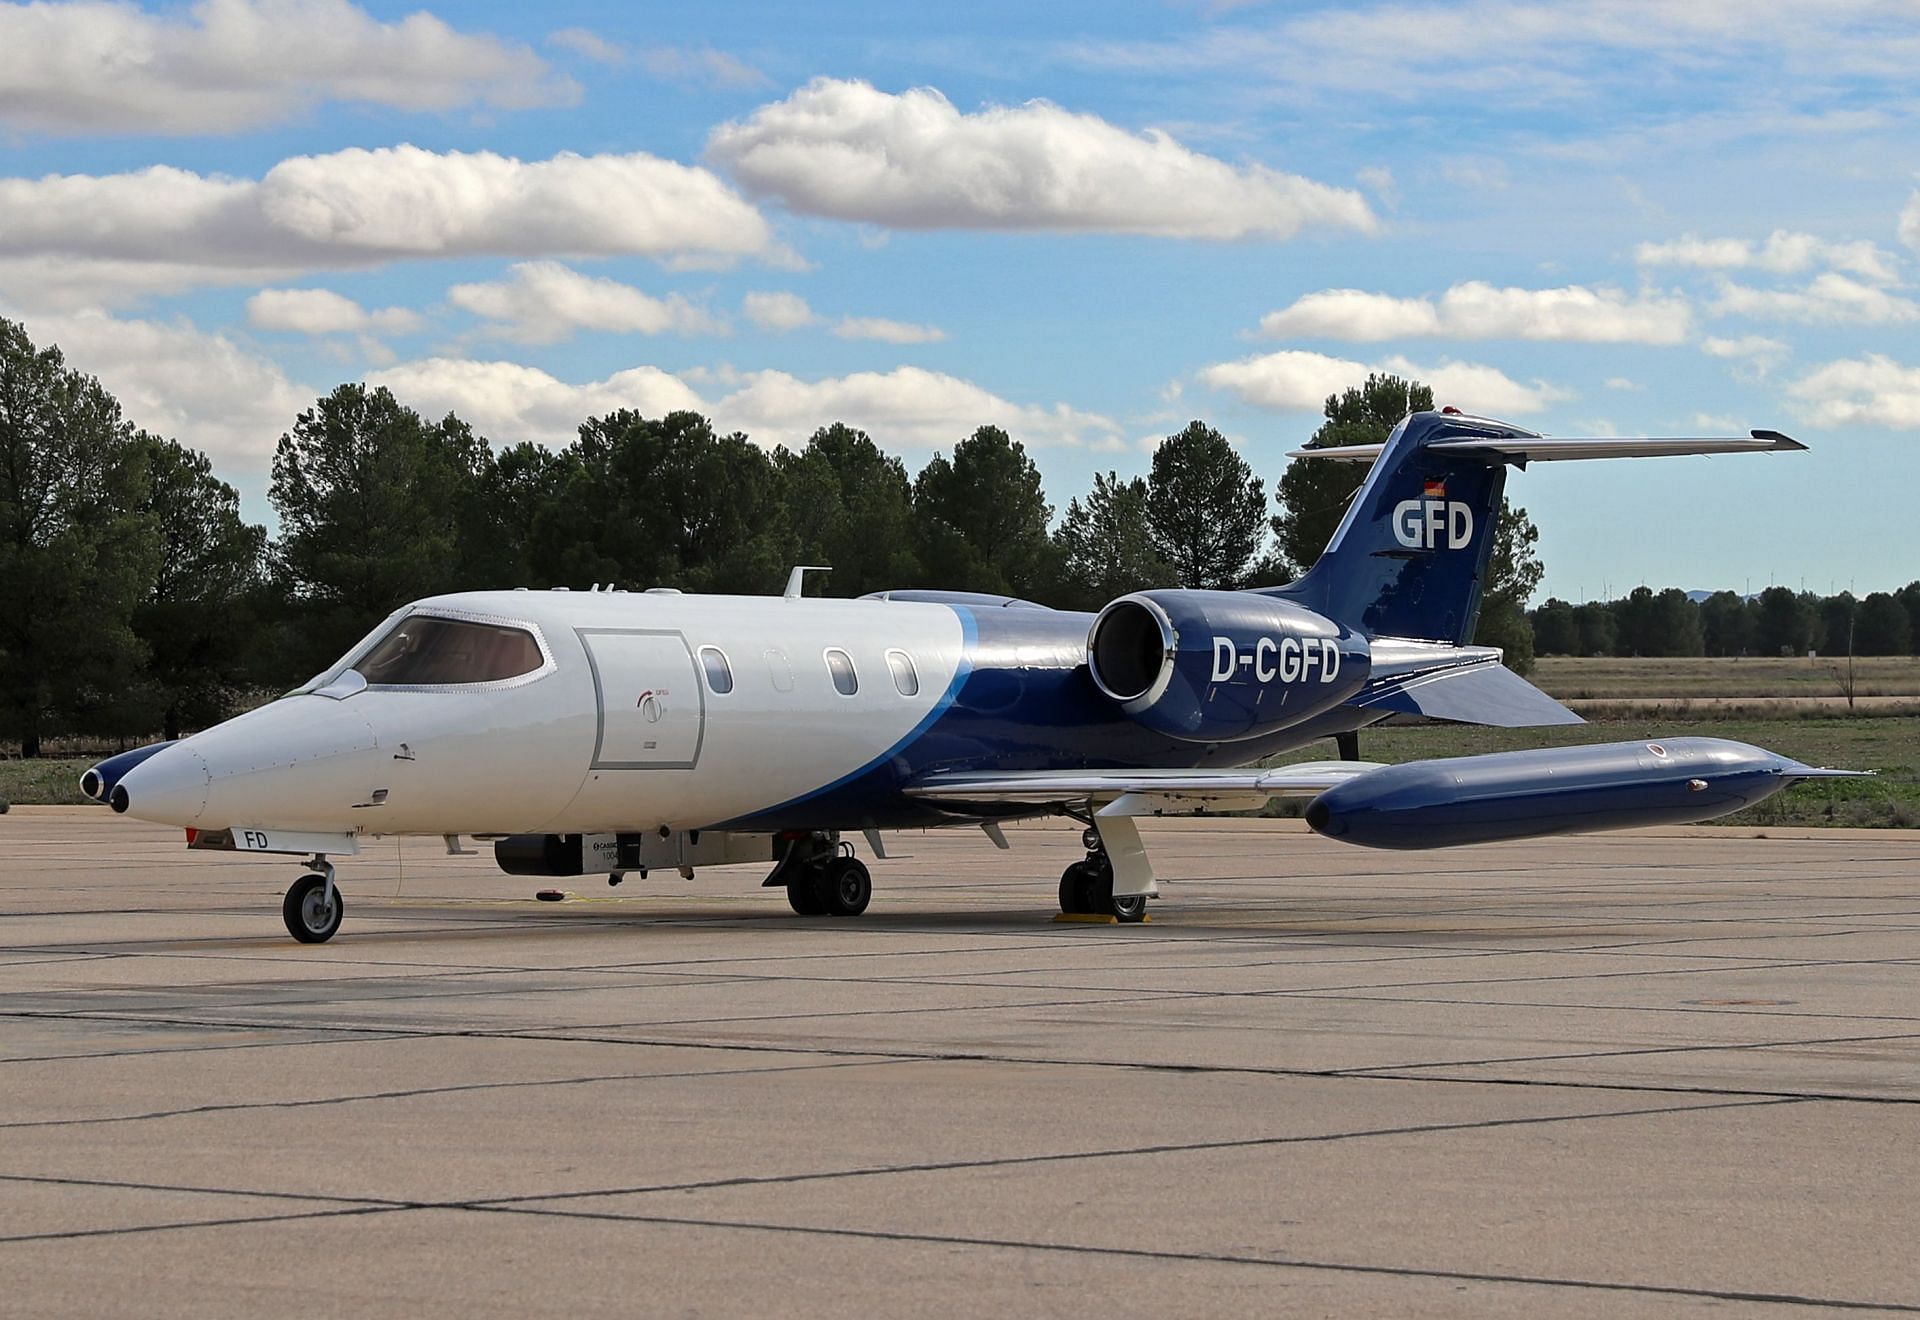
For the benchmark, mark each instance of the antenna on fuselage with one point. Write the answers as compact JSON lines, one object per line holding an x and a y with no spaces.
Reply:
{"x":797,"y":578}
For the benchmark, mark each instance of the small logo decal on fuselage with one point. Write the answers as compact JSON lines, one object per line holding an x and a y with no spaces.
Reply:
{"x":1288,"y":659}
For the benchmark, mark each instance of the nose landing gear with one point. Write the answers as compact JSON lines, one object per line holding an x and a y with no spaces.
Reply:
{"x":313,"y":907}
{"x":1086,"y":887}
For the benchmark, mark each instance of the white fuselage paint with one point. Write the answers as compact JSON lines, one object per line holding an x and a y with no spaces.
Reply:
{"x":620,"y":730}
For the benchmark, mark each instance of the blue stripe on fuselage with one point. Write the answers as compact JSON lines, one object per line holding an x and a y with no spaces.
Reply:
{"x":1021,"y":699}
{"x":807,"y":805}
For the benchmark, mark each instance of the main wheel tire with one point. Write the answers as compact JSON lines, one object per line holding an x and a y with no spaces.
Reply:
{"x":1096,"y":889}
{"x":807,"y":894}
{"x":1100,"y":896}
{"x":848,"y":888}
{"x":1073,"y":890}
{"x":310,"y":919}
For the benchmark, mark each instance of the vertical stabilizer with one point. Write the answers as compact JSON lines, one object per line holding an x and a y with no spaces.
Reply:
{"x":1410,"y":557}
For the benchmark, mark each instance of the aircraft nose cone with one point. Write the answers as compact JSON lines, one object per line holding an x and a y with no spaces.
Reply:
{"x":168,"y":788}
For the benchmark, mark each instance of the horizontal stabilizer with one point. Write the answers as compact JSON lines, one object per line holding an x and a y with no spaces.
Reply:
{"x":1550,"y":448}
{"x":1487,"y":693}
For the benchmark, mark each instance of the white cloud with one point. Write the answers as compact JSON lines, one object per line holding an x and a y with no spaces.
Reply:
{"x":225,"y":66}
{"x":1830,"y":299}
{"x":508,"y":402}
{"x":907,"y":407}
{"x":777,"y":311}
{"x":1527,"y":52}
{"x":1753,"y":356}
{"x":1296,"y":381}
{"x":789,"y":311}
{"x":1352,"y":314}
{"x":1477,"y":310}
{"x":1783,"y":253}
{"x":1746,"y":346}
{"x":1717,"y":424}
{"x":694,"y":66}
{"x":887,"y":332}
{"x":163,"y":229}
{"x":1379,"y":180}
{"x":175,"y":380}
{"x":1622,"y":383}
{"x":591,"y":45}
{"x":324,"y":312}
{"x":403,"y":201}
{"x":912,"y":161}
{"x":1478,"y":173}
{"x":1870,"y":391}
{"x":543,"y":302}
{"x":701,"y":66}
{"x":1910,"y":222}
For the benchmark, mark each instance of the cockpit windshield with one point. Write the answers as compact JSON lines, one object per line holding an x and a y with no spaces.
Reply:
{"x":424,"y":651}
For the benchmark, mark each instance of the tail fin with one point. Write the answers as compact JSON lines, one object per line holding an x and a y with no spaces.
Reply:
{"x":1410,"y":557}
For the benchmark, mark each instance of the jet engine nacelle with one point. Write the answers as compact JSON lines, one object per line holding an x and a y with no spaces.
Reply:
{"x":1219,"y":666}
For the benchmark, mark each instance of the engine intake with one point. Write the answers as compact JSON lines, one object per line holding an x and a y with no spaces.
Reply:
{"x":1131,"y":648}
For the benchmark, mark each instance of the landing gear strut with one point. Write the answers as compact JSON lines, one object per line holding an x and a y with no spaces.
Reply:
{"x":1086,"y":887}
{"x":824,"y":878}
{"x":313,"y":907}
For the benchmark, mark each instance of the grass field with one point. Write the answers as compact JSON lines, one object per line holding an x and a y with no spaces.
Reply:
{"x":1577,"y":678}
{"x":45,"y":781}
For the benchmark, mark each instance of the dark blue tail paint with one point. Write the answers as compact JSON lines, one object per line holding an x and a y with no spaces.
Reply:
{"x":1410,"y":558}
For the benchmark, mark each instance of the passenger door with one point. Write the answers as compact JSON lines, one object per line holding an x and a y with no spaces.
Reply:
{"x":652,"y":709}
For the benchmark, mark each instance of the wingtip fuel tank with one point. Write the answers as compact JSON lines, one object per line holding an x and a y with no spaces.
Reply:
{"x":1552,"y":790}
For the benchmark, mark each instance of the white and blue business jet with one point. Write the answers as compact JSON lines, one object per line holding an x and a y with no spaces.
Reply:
{"x":610,"y":732}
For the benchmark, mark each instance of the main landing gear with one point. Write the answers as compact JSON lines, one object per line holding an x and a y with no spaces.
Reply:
{"x":1086,"y":887}
{"x":823,"y":878}
{"x":313,"y":907}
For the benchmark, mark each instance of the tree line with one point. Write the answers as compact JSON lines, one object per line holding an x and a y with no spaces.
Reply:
{"x":1777,"y":621}
{"x":139,"y":600}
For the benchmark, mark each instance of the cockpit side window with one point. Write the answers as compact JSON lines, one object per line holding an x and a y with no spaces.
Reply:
{"x":423,"y":651}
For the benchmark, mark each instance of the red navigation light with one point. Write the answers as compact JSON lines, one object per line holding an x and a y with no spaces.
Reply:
{"x":1450,"y":411}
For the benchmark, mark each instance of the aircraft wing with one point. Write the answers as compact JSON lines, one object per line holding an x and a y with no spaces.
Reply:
{"x":1141,"y":792}
{"x":1421,"y":804}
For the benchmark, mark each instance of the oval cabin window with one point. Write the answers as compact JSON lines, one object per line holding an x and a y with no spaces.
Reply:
{"x":719,"y":673}
{"x":845,"y":681}
{"x":904,"y":677}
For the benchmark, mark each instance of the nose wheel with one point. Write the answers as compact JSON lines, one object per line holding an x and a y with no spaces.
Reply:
{"x":313,"y":907}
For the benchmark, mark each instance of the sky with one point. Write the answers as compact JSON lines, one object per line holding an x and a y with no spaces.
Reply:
{"x":1086,"y":223}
